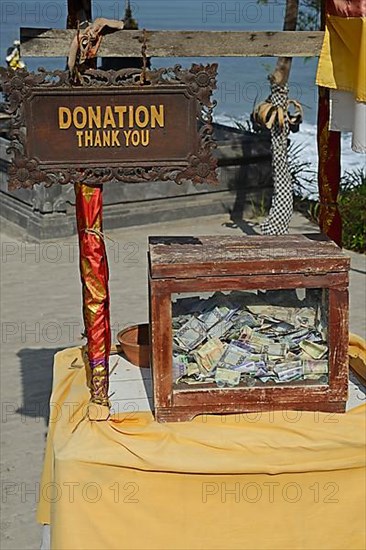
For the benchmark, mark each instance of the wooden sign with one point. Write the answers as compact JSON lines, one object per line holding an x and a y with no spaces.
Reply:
{"x":114,"y":126}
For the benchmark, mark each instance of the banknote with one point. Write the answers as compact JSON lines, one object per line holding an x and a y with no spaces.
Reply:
{"x":208,"y":355}
{"x":193,"y":369}
{"x":307,"y":317}
{"x":191,"y":334}
{"x":220,"y":329}
{"x":227,"y":377}
{"x":290,"y":374}
{"x":179,"y":321}
{"x":293,"y":340}
{"x":276,"y":313}
{"x":289,"y":371}
{"x":210,"y":318}
{"x":282,"y":327}
{"x":262,"y":345}
{"x":292,"y":315}
{"x":233,"y":355}
{"x":316,"y":351}
{"x":244,"y":318}
{"x":195,"y":382}
{"x":180,"y":363}
{"x":250,"y":335}
{"x":287,"y":365}
{"x":247,"y":367}
{"x":315,"y":366}
{"x":244,"y":333}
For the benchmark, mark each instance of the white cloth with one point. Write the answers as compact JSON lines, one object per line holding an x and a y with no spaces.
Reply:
{"x":348,"y":115}
{"x":46,"y":538}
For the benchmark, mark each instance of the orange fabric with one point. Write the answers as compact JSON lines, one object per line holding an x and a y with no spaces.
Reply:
{"x":277,"y":480}
{"x":93,"y":270}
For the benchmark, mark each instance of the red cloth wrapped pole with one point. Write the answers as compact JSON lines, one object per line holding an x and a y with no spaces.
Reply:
{"x":329,"y":172}
{"x":94,"y":278}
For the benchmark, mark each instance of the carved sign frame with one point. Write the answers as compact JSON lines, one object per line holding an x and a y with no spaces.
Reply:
{"x":198,"y":83}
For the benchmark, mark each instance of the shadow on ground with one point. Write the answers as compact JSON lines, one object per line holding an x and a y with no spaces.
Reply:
{"x":238,"y":222}
{"x":37,"y":374}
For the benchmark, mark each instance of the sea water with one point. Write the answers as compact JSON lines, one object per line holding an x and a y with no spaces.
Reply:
{"x":242,"y":82}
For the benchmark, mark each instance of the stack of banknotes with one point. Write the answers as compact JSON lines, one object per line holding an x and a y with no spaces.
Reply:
{"x":242,"y":338}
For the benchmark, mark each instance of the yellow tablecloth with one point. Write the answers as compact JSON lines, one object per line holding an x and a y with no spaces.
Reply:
{"x":277,"y":480}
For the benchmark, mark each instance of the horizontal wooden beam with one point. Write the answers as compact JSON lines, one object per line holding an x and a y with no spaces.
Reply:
{"x":56,"y":43}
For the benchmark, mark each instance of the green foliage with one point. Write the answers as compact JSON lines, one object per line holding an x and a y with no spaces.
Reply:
{"x":302,"y":174}
{"x":259,"y":210}
{"x":351,"y":199}
{"x":309,"y":15}
{"x":352,"y":207}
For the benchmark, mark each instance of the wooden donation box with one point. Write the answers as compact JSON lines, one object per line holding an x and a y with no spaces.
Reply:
{"x":250,"y":323}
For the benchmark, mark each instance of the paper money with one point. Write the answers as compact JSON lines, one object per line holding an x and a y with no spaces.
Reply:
{"x":279,"y":313}
{"x":307,"y":317}
{"x":210,"y":318}
{"x":220,"y":329}
{"x":193,"y":369}
{"x":294,"y":337}
{"x":316,"y":351}
{"x":217,"y":308}
{"x":261,"y":344}
{"x":227,"y":377}
{"x":247,"y":367}
{"x":244,"y":318}
{"x":290,"y":374}
{"x":287,"y":372}
{"x":191,"y":334}
{"x":249,"y":349}
{"x":208,"y":355}
{"x":255,"y":335}
{"x":233,"y":355}
{"x":292,"y":315}
{"x":195,"y":382}
{"x":284,"y":366}
{"x":315,"y":366}
{"x":180,"y":363}
{"x":282,"y":327}
{"x":179,"y":321}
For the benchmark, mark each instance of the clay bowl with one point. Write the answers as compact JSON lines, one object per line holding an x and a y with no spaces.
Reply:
{"x":135,"y":344}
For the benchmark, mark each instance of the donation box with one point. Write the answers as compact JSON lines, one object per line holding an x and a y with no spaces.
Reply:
{"x":252,"y":323}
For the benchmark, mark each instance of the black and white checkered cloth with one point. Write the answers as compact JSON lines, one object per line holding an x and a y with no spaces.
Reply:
{"x":281,"y":210}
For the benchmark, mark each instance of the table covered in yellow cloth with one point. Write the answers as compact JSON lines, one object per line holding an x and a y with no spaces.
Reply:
{"x":274,"y":480}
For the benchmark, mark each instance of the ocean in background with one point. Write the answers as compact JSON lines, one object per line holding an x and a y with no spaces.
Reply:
{"x":242,"y":82}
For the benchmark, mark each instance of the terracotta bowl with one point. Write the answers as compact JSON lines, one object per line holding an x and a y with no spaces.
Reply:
{"x":135,"y":344}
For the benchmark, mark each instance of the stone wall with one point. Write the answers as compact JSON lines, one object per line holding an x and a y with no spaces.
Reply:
{"x":244,"y":181}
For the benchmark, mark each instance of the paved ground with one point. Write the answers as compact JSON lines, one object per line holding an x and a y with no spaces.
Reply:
{"x":41,"y":313}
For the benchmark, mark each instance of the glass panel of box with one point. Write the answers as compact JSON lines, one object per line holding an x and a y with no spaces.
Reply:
{"x":248,"y":339}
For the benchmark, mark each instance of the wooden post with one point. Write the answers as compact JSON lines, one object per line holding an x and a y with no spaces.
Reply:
{"x":93,"y":267}
{"x":77,"y":12}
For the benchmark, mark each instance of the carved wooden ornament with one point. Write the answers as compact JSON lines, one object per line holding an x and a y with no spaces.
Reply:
{"x":111,"y":126}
